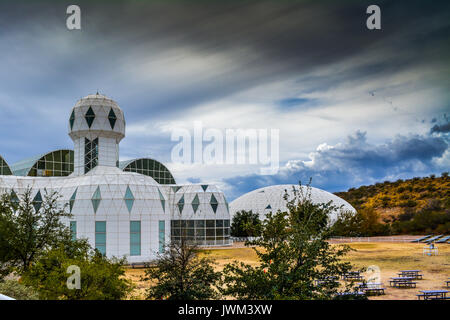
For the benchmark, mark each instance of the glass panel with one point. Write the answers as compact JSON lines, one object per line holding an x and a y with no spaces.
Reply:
{"x":162,"y":240}
{"x":73,"y":229}
{"x":100,"y":238}
{"x":199,"y":223}
{"x":135,"y":249}
{"x":135,"y":226}
{"x":135,"y":237}
{"x":100,"y":226}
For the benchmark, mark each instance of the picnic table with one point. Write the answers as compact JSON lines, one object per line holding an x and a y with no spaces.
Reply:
{"x":430,"y":251}
{"x":371,"y":288}
{"x":433,"y":295}
{"x":402,"y":282}
{"x":355,"y":294}
{"x":352,"y":275}
{"x":326,"y":280}
{"x":411,"y":274}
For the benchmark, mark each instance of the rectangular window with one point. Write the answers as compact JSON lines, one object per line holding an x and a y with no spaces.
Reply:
{"x":73,"y":230}
{"x":135,"y":238}
{"x":162,"y":235}
{"x":100,"y":236}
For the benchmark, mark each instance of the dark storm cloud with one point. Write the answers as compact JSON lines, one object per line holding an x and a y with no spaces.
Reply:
{"x":266,"y":40}
{"x":356,"y":162}
{"x":443,"y":128}
{"x":160,"y":59}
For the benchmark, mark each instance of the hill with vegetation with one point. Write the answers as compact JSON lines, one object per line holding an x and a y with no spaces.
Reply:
{"x":414,"y":206}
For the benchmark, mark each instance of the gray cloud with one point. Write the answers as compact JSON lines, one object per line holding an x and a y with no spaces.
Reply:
{"x":356,"y":162}
{"x":161,"y":60}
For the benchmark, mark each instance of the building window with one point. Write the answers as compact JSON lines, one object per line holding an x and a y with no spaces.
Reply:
{"x":4,"y":168}
{"x":162,"y":235}
{"x":135,"y":238}
{"x":201,"y":231}
{"x":73,"y":230}
{"x":90,"y":154}
{"x":100,"y":236}
{"x":151,"y":168}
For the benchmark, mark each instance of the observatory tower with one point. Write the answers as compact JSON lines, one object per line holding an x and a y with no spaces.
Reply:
{"x":96,"y":126}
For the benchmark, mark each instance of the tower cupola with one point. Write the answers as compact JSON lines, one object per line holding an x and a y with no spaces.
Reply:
{"x":96,"y":126}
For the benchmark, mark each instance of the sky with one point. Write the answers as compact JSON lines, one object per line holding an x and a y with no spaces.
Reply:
{"x":353,"y":106}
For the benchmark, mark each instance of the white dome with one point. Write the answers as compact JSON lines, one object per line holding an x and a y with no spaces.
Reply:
{"x":96,"y":115}
{"x":271,"y":199}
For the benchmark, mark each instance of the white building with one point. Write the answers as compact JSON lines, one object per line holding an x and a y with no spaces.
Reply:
{"x":271,"y":199}
{"x":130,"y":208}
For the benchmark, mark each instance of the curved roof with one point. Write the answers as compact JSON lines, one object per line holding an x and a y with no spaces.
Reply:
{"x":271,"y":199}
{"x":149,"y":167}
{"x":58,"y":163}
{"x":4,"y":168}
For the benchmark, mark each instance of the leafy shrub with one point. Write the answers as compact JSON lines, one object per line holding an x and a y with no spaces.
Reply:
{"x":18,"y":291}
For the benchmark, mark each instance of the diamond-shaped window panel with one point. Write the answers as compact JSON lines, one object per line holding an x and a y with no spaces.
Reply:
{"x":163,"y":201}
{"x":89,"y":116}
{"x":72,"y":119}
{"x":37,"y":201}
{"x":269,"y":207}
{"x":96,"y":199}
{"x":72,"y":200}
{"x":175,"y":189}
{"x":14,"y":197}
{"x":129,"y":199}
{"x":195,"y":203}
{"x":112,"y":118}
{"x":181,"y":203}
{"x":214,"y":203}
{"x":204,"y":187}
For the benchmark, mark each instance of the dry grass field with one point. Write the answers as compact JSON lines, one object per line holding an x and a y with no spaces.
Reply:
{"x":389,"y":257}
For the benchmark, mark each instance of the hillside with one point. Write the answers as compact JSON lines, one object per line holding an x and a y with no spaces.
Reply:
{"x":407,"y":205}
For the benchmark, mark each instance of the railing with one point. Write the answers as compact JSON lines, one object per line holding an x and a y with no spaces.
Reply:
{"x":402,"y":239}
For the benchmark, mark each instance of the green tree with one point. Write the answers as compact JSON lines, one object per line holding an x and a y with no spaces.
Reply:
{"x":180,"y":274}
{"x":100,"y":278}
{"x":245,"y":224}
{"x":28,"y":227}
{"x":292,"y":252}
{"x":347,"y":224}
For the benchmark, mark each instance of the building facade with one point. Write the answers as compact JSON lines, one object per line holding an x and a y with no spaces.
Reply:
{"x":131,"y":208}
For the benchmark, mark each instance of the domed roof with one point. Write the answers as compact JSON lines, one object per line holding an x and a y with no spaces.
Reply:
{"x":98,"y":115}
{"x":97,"y":96}
{"x":271,"y":199}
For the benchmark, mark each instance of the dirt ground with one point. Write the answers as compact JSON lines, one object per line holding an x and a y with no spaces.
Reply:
{"x":390,"y":258}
